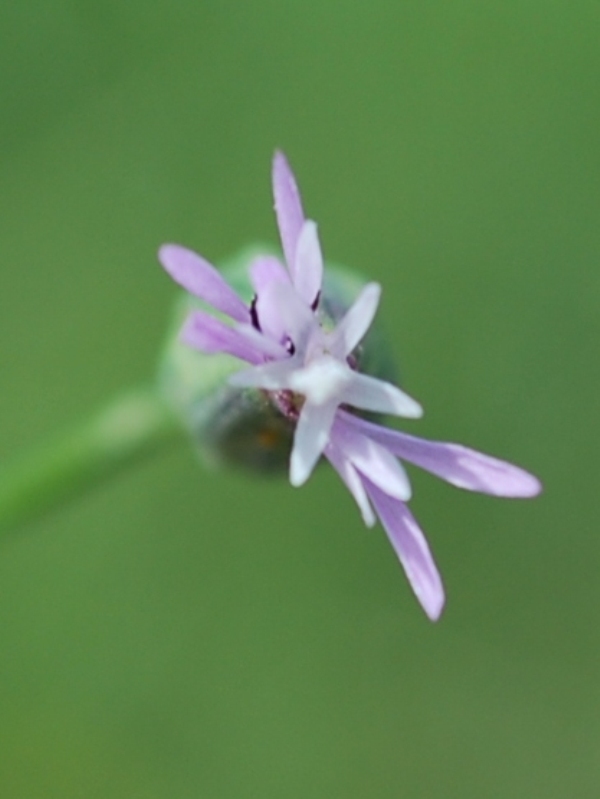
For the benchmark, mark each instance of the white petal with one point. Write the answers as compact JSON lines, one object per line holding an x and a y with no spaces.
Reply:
{"x":371,"y":394}
{"x":352,"y":480}
{"x":372,"y":460}
{"x":308,"y":268}
{"x":310,"y":439}
{"x":358,"y":319}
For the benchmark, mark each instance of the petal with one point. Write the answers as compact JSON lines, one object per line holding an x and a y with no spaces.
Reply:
{"x":352,"y":480}
{"x":266,"y":269}
{"x":202,"y":279}
{"x":458,"y":465}
{"x":274,"y":376}
{"x":308,"y":264}
{"x":282,"y":314}
{"x":263,"y":343}
{"x":358,"y":319}
{"x":210,"y":335}
{"x":310,"y":439}
{"x":372,"y":460}
{"x":371,"y":394}
{"x":412,"y":549}
{"x":288,"y":208}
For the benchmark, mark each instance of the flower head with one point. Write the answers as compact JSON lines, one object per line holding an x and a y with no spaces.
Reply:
{"x":306,"y":366}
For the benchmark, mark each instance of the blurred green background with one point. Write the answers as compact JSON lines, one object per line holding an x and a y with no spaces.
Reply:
{"x":184,"y":634}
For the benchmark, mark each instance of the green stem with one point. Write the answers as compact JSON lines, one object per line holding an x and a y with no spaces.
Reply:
{"x":135,"y":424}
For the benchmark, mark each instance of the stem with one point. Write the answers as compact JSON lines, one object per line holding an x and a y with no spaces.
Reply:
{"x":132,"y":426}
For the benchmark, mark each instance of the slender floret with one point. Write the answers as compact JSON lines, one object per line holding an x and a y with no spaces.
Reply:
{"x":309,"y":372}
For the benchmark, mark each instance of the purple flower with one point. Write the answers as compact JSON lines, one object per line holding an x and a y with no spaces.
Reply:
{"x":308,"y":369}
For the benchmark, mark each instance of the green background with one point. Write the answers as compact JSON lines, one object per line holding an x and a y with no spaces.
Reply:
{"x":182,"y":634}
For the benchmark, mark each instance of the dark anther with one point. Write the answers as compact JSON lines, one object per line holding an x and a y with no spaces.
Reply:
{"x":315,"y":304}
{"x":289,"y":345}
{"x":254,"y":314}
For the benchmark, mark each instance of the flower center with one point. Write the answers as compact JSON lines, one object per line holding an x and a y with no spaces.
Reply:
{"x":322,"y":380}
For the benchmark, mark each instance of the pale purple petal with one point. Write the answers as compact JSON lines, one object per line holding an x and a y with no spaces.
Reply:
{"x":372,"y":460}
{"x":358,"y":319}
{"x":202,"y":279}
{"x":274,"y":376}
{"x":352,"y":480}
{"x":412,"y":549}
{"x":210,"y":335}
{"x":371,"y":394}
{"x":263,"y":343}
{"x":269,"y":312}
{"x":288,"y":207}
{"x":282,"y":314}
{"x":458,"y":465}
{"x":310,"y":439}
{"x":267,"y":269}
{"x":308,"y":264}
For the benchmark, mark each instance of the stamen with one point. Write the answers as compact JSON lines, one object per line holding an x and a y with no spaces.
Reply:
{"x":254,"y":314}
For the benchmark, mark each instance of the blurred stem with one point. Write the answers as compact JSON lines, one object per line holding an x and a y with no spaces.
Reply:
{"x":130,"y":427}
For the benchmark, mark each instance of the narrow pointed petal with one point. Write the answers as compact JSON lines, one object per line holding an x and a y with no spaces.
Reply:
{"x":265,"y":270}
{"x":352,"y":328}
{"x":371,"y":394}
{"x":274,"y":376}
{"x":412,"y":549}
{"x":372,"y":460}
{"x":310,"y":439}
{"x":308,"y":264}
{"x":262,"y":343}
{"x":288,"y":207}
{"x":352,"y":480}
{"x":461,"y":466}
{"x":202,"y":279}
{"x":210,"y":335}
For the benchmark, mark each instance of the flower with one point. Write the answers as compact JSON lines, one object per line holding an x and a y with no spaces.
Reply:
{"x":309,"y":370}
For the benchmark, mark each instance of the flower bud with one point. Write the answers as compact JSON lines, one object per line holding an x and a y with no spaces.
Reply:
{"x":244,"y":426}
